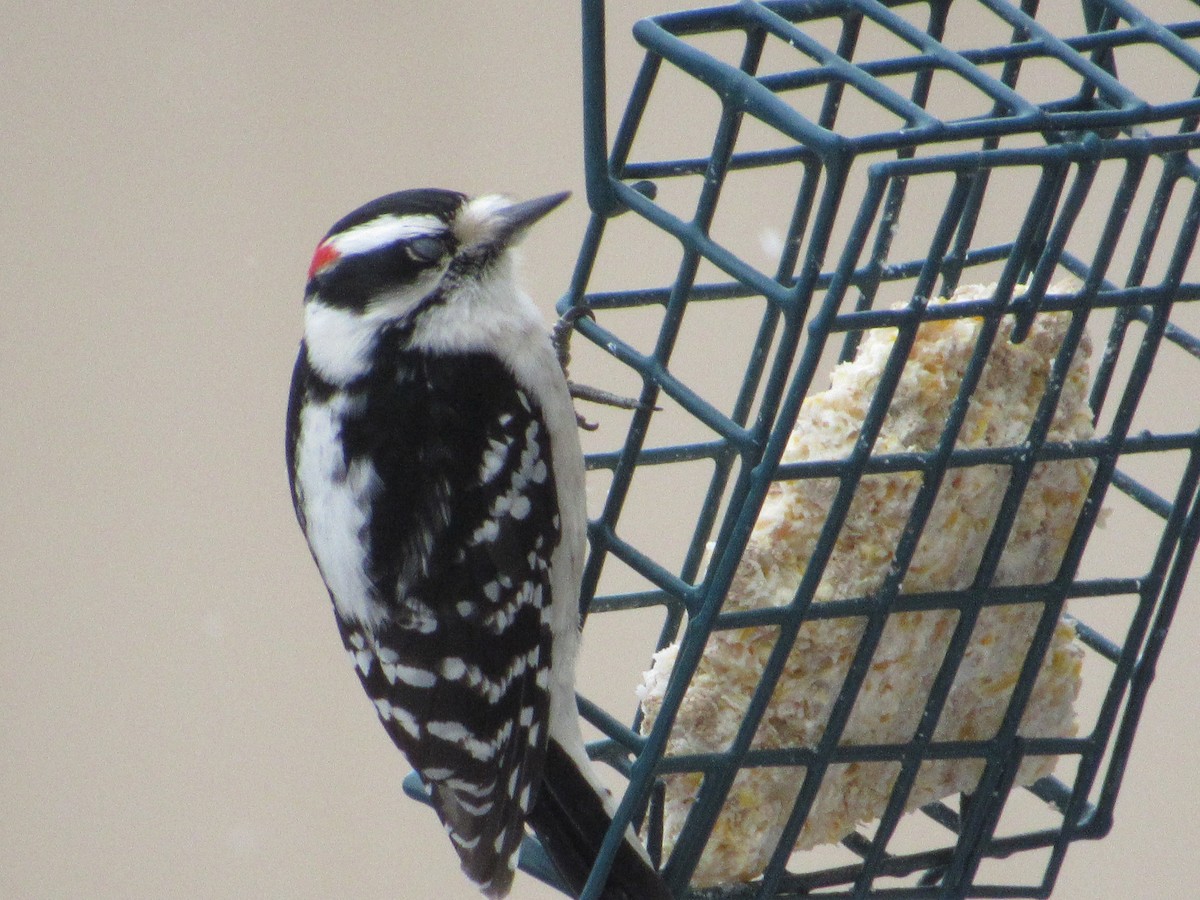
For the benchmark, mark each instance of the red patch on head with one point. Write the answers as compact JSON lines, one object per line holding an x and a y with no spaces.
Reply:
{"x":326,"y":255}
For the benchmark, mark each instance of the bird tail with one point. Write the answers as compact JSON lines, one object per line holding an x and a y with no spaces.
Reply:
{"x":571,"y":819}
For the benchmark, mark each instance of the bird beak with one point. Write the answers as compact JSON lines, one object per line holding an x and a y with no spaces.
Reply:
{"x":511,"y":222}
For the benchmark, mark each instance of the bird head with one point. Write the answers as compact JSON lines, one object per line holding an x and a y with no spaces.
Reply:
{"x":383,"y":265}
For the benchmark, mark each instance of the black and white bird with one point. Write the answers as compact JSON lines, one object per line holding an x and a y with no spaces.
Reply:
{"x":436,"y":472}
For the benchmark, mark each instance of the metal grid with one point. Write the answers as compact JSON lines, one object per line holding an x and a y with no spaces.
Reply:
{"x":1105,"y":191}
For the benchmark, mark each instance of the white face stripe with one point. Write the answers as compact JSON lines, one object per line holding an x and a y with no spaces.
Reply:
{"x":384,"y":230}
{"x":340,"y":341}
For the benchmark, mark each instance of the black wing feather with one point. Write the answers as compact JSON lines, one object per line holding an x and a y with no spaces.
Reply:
{"x":459,"y":537}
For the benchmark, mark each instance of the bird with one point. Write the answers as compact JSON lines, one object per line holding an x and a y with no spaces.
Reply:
{"x":436,"y":472}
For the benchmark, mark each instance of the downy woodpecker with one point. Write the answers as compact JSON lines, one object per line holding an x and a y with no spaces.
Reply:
{"x":436,"y":472}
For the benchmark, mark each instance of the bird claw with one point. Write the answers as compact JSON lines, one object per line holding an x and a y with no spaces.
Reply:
{"x":560,"y":334}
{"x":560,"y":337}
{"x":585,"y":424}
{"x":605,"y":398}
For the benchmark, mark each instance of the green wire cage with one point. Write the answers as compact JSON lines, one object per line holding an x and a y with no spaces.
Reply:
{"x":891,"y":152}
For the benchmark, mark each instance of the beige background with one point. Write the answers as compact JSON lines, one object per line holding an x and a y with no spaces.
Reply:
{"x":176,"y":714}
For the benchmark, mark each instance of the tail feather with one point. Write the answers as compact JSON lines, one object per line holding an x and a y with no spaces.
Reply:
{"x":570,"y":820}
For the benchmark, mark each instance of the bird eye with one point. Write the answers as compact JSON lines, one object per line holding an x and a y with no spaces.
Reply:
{"x":425,"y":249}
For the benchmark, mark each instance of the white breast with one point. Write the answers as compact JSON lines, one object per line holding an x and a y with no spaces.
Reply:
{"x":335,"y":500}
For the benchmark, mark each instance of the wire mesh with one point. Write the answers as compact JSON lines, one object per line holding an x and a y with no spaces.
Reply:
{"x":819,"y":126}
